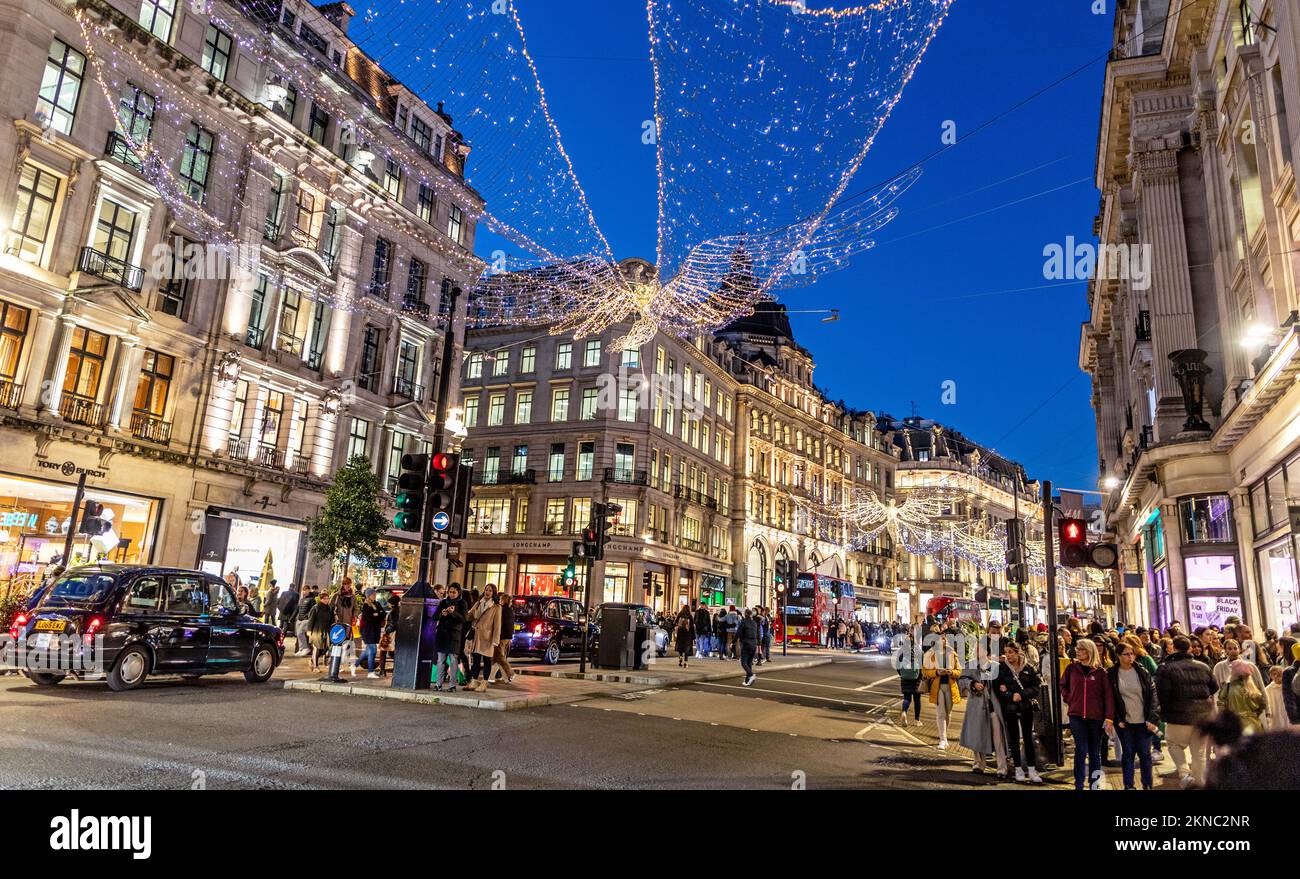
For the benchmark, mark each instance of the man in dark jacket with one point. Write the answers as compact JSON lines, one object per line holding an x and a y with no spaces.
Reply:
{"x":1184,"y":688}
{"x":747,"y":638}
{"x":703,"y":630}
{"x":300,"y":628}
{"x":448,"y":641}
{"x":286,"y":607}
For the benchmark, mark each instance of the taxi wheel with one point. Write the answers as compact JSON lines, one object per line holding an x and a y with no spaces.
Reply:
{"x":44,"y":679}
{"x":130,"y":670}
{"x":263,"y":665}
{"x":552,"y":654}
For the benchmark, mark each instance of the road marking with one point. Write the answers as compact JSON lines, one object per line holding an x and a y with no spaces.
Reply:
{"x":811,"y":684}
{"x":784,"y":693}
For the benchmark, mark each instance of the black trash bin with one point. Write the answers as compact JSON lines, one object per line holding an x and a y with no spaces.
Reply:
{"x":615,"y":629}
{"x":416,"y":630}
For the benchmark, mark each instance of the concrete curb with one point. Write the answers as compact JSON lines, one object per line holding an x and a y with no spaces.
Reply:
{"x":651,"y":680}
{"x":422,"y":697}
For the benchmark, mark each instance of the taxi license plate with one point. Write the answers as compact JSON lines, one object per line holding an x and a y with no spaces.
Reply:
{"x":49,"y":626}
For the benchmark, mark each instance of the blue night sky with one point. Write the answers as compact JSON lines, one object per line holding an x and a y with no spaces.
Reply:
{"x":923,"y":307}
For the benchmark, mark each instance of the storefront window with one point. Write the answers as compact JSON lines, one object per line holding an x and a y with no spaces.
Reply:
{"x":35,"y":517}
{"x":396,"y":567}
{"x":616,"y":577}
{"x":255,"y":551}
{"x":482,"y":572}
{"x":546,"y":578}
{"x":1212,"y":592}
{"x":1206,"y":519}
{"x":1276,"y":499}
{"x":1277,"y":576}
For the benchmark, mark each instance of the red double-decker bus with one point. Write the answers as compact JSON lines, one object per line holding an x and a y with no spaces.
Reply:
{"x":810,"y":605}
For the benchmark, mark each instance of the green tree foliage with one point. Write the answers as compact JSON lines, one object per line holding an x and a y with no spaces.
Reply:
{"x":351,"y":524}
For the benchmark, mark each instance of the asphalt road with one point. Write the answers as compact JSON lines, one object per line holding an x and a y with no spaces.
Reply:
{"x":820,"y":728}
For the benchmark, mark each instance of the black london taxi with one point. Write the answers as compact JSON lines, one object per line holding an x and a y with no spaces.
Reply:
{"x":124,"y":623}
{"x":546,"y":627}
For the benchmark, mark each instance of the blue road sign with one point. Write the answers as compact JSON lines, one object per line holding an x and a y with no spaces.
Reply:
{"x":441,"y":521}
{"x":339,"y":634}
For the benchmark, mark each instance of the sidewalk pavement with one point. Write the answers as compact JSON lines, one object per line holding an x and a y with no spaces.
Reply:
{"x":536,"y":685}
{"x":925,"y":736}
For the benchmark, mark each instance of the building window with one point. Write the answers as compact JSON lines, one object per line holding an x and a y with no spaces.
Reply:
{"x":381,"y":270}
{"x":359,"y":439}
{"x":1207,"y":519}
{"x":156,"y":16}
{"x":624,"y":461}
{"x":424,"y":204}
{"x":455,"y":224}
{"x":135,"y":111}
{"x":632,"y":358}
{"x":409,"y":355}
{"x":564,"y":355}
{"x":238,"y":409}
{"x":13,"y":330}
{"x":523,"y":407}
{"x":555,"y":515}
{"x":560,"y":405}
{"x":628,"y":403}
{"x":555,"y":463}
{"x":393,"y":178}
{"x":501,"y":362}
{"x":496,"y":410}
{"x":528,"y":359}
{"x":586,"y":460}
{"x":421,"y":133}
{"x":115,"y":231}
{"x":519,"y":463}
{"x":591,"y":353}
{"x":155,"y":385}
{"x":61,"y":86}
{"x":216,"y":52}
{"x":474,"y":369}
{"x":308,"y":217}
{"x":318,"y":124}
{"x":196,"y":161}
{"x":314,"y":40}
{"x":471,"y":411}
{"x":589,"y":398}
{"x":491,"y":465}
{"x":371,"y":359}
{"x":85,"y":364}
{"x":417,"y":279}
{"x":174,"y":290}
{"x":38,"y":196}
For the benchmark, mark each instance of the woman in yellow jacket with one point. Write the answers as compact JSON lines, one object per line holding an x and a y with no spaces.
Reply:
{"x":941,"y":667}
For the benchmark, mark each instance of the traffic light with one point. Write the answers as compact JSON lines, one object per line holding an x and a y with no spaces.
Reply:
{"x":92,"y":521}
{"x":1077,"y":552}
{"x":410,"y":493}
{"x":569,"y":578}
{"x":604,"y":517}
{"x":1017,"y":569}
{"x":648,"y":582}
{"x":784,"y":574}
{"x":448,"y":495}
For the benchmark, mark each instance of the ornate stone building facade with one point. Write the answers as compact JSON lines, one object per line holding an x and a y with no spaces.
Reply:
{"x":1194,"y":357}
{"x":209,"y":375}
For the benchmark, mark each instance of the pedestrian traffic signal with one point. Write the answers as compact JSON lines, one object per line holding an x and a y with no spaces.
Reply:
{"x":410,"y":493}
{"x":93,"y":522}
{"x":604,"y":518}
{"x":570,"y":576}
{"x":1077,"y":552}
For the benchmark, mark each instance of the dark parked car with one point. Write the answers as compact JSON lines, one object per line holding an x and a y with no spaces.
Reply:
{"x":546,"y":627}
{"x":149,"y":621}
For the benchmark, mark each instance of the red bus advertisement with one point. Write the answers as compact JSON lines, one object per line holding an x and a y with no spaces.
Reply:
{"x":955,"y":610}
{"x":812,"y":602}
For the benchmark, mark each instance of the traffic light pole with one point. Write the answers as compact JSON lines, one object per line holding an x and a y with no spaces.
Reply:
{"x":586,"y":614}
{"x":1049,"y":554}
{"x":75,"y":523}
{"x":428,"y":552}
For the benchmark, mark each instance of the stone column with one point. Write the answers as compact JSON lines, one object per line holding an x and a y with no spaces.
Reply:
{"x":512,"y":572}
{"x":51,"y":392}
{"x":322,"y":440}
{"x":1251,"y":588}
{"x":1161,"y":229}
{"x":129,"y":358}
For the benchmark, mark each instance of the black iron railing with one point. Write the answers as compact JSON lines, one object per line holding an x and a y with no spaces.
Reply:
{"x":119,"y":150}
{"x":10,"y":394}
{"x":150,"y":428}
{"x":505,"y":476}
{"x":404,"y":387}
{"x":623,"y":476}
{"x":81,"y":410}
{"x":117,"y":271}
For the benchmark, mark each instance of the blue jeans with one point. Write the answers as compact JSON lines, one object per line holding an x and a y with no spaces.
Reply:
{"x":915,"y":700}
{"x":367,"y":657}
{"x":1135,"y":739}
{"x":1088,"y":735}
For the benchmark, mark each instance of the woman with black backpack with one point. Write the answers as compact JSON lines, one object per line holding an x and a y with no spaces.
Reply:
{"x":1018,"y":684}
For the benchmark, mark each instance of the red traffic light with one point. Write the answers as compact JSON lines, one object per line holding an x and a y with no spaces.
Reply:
{"x":441,"y":462}
{"x":1074,"y":532}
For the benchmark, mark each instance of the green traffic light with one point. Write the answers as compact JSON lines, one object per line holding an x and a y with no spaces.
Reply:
{"x":406,"y":522}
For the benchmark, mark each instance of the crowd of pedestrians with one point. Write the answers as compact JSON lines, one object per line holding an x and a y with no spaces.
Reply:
{"x":1132,"y":692}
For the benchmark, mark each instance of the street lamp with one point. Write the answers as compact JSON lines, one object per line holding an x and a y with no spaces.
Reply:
{"x":1110,"y":483}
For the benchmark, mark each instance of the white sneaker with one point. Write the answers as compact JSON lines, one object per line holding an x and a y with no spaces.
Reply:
{"x":1034,"y":777}
{"x":372,"y":675}
{"x":902,"y":718}
{"x":943,"y":744}
{"x":354,"y":671}
{"x":1020,"y":774}
{"x":749,"y":680}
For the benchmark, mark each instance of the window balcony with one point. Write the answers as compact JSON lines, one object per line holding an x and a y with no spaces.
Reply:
{"x":119,"y":150}
{"x":101,"y":265}
{"x":378,"y":289}
{"x":303,"y":238}
{"x":255,"y":338}
{"x":407,"y":389}
{"x":150,"y":428}
{"x":505,"y":476}
{"x":81,"y":410}
{"x":270,"y":456}
{"x":236,"y":449}
{"x":10,"y":394}
{"x":623,"y":476}
{"x":415,"y":307}
{"x":290,"y":343}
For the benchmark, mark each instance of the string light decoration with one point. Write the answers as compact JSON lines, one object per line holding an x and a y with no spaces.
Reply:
{"x":753,"y":152}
